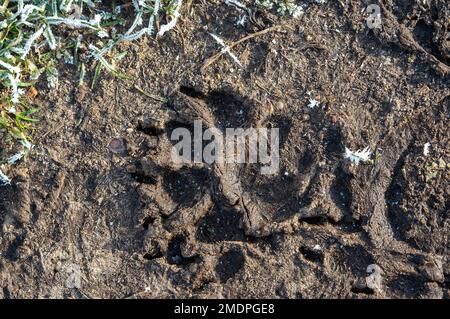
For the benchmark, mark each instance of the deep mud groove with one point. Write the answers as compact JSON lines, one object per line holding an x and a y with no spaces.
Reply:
{"x":312,"y":255}
{"x":423,"y":29}
{"x":12,"y":252}
{"x":341,"y":192}
{"x":362,"y":289}
{"x":395,"y":194}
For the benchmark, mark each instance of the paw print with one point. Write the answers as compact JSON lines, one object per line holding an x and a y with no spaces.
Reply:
{"x":190,"y":204}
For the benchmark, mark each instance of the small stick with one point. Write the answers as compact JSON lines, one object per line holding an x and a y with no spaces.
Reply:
{"x":152,"y":96}
{"x":215,"y":57}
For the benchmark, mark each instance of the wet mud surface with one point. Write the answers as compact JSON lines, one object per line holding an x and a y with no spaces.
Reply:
{"x":101,"y":196}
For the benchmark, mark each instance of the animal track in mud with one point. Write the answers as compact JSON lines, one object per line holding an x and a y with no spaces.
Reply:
{"x":419,"y":27}
{"x":221,"y":201}
{"x":195,"y":187}
{"x":195,"y":204}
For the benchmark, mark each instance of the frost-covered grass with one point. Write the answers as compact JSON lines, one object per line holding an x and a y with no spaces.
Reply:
{"x":358,"y":156}
{"x":33,"y":40}
{"x":283,"y":7}
{"x":35,"y":35}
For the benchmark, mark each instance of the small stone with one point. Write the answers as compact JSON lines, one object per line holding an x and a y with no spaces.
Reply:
{"x":117,"y":146}
{"x":374,"y":280}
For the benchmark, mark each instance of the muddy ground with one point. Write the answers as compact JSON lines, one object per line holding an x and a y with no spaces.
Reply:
{"x":133,"y":225}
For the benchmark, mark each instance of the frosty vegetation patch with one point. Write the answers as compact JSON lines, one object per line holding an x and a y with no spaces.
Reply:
{"x":33,"y":42}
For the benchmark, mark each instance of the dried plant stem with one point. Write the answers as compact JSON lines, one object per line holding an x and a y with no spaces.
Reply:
{"x":215,"y":57}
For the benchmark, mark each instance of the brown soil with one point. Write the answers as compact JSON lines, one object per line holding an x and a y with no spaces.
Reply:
{"x":99,"y":190}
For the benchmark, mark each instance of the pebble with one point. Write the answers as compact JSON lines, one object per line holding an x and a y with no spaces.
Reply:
{"x":117,"y":146}
{"x":374,"y":280}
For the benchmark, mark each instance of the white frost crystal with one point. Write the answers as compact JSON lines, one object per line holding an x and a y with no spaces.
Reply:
{"x":313,"y":103}
{"x":235,"y":3}
{"x":426,"y":149}
{"x":173,"y":22}
{"x":359,"y":155}
{"x":283,"y":7}
{"x":226,"y":49}
{"x":4,"y":179}
{"x":16,"y":157}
